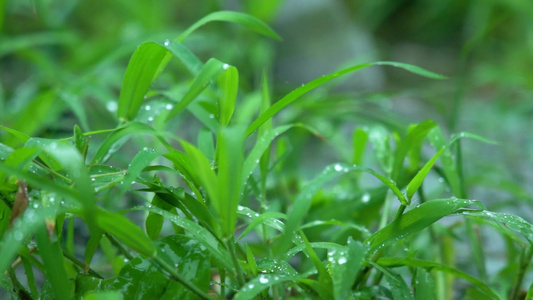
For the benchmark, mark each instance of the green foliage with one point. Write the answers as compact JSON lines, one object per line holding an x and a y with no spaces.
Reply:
{"x":197,"y":184}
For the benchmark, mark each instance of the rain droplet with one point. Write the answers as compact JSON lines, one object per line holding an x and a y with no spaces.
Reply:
{"x":147,"y":107}
{"x":225,"y":66}
{"x":17,"y":235}
{"x":111,"y":106}
{"x":263,"y":280}
{"x":150,"y":119}
{"x":342,"y":260}
{"x":167,"y":43}
{"x":338,"y":168}
{"x":169,"y":106}
{"x":365,"y":198}
{"x":211,"y":116}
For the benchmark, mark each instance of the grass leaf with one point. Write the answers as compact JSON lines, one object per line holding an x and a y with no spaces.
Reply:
{"x":297,"y":93}
{"x":233,"y":17}
{"x":141,"y":71}
{"x":417,"y":263}
{"x":126,"y":231}
{"x":210,"y":71}
{"x":416,"y":219}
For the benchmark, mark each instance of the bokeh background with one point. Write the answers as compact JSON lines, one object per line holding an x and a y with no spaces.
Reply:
{"x":62,"y":62}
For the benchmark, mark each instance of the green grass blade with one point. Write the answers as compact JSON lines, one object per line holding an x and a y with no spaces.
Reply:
{"x":417,"y":263}
{"x":210,"y":71}
{"x":202,"y":235}
{"x":110,"y":146}
{"x":344,"y":266}
{"x":15,"y":238}
{"x":469,"y":135}
{"x":126,"y":231}
{"x":324,"y":277}
{"x":53,"y":261}
{"x":360,"y":138}
{"x":245,"y":20}
{"x":140,"y":74}
{"x":412,"y":139}
{"x":425,"y":285}
{"x":438,"y":141}
{"x":416,"y":182}
{"x":191,"y":62}
{"x":262,"y":218}
{"x":510,"y":221}
{"x":139,"y":162}
{"x":303,"y":200}
{"x":19,"y":135}
{"x":297,"y":93}
{"x":412,"y":69}
{"x":200,"y":169}
{"x":206,"y":143}
{"x":250,"y":258}
{"x":398,"y":287}
{"x":255,"y":286}
{"x":229,"y":84}
{"x":230,"y":158}
{"x":416,"y":220}
{"x":253,"y":158}
{"x":43,"y":183}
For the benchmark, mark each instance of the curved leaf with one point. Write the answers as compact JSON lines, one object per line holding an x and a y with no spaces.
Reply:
{"x":140,"y":73}
{"x":245,"y":20}
{"x":416,"y":263}
{"x":297,"y":93}
{"x":203,"y":236}
{"x":416,"y":219}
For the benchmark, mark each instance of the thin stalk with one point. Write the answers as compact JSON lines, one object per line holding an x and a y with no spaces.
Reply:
{"x":119,"y":247}
{"x":80,"y":264}
{"x":442,"y":284}
{"x":17,"y":286}
{"x":53,"y":171}
{"x":525,"y":260}
{"x":222,"y":273}
{"x":471,"y":228}
{"x":400,"y":211}
{"x":386,"y":209}
{"x":179,"y":278}
{"x":231,"y":247}
{"x":109,"y":174}
{"x":30,"y":277}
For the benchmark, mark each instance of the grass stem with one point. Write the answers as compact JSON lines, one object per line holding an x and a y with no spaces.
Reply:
{"x":525,"y":260}
{"x":231,"y":247}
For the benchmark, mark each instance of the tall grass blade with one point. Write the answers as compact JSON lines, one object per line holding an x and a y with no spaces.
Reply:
{"x":202,"y":235}
{"x":53,"y":261}
{"x":126,"y":231}
{"x":230,"y":157}
{"x":229,"y":84}
{"x":139,"y":75}
{"x":416,"y":220}
{"x":232,"y":17}
{"x":210,"y":71}
{"x":297,"y":93}
{"x":417,"y":263}
{"x":416,"y":182}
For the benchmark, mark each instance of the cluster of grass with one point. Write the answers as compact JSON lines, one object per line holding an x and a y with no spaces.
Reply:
{"x":190,"y":185}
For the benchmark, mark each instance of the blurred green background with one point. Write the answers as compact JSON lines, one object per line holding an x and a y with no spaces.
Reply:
{"x":62,"y":62}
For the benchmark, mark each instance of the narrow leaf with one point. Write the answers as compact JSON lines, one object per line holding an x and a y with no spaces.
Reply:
{"x":139,"y":75}
{"x":245,"y":20}
{"x":126,"y":231}
{"x":297,"y":93}
{"x":416,"y":220}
